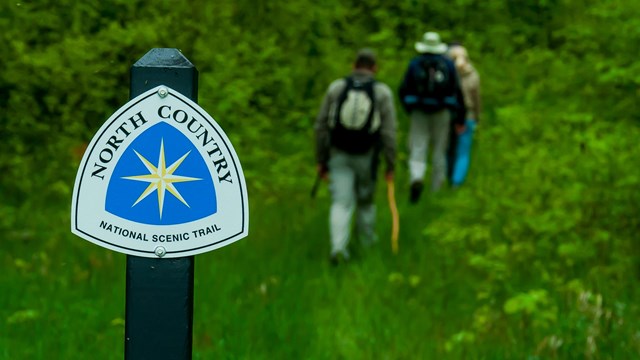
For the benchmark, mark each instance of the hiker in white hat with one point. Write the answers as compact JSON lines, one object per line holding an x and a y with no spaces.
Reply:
{"x":430,"y":92}
{"x":431,"y":43}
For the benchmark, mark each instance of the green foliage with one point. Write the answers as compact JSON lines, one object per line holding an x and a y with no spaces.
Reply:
{"x":536,"y":257}
{"x":543,"y":214}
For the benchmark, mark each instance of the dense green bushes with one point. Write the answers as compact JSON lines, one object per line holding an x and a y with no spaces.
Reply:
{"x":547,"y":228}
{"x":264,"y":65}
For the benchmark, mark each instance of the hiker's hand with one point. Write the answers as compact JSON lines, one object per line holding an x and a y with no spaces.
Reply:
{"x":460,"y":129}
{"x":389,"y":175}
{"x":323,"y":171}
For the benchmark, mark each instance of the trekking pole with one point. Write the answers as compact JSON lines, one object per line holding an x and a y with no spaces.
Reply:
{"x":316,"y":185}
{"x":395,"y":221}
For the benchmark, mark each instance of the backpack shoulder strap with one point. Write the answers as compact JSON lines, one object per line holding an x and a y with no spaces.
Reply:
{"x":368,"y":87}
{"x":343,"y":94}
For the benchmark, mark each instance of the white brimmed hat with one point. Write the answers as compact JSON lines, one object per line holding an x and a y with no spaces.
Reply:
{"x":431,"y":43}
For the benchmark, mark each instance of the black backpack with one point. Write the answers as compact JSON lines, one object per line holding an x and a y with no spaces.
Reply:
{"x":353,"y":118}
{"x":433,"y":83}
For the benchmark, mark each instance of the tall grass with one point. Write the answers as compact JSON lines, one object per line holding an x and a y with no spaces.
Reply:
{"x":271,"y":295}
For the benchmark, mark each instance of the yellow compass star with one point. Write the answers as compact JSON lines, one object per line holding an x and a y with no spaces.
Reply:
{"x":161,"y":178}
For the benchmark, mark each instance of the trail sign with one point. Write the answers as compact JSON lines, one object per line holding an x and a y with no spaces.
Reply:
{"x":160,"y":182}
{"x":160,"y":179}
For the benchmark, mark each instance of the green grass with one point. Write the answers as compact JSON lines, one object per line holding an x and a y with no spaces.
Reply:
{"x":273,"y":295}
{"x":293,"y":304}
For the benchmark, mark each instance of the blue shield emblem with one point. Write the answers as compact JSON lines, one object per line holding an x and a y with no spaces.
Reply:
{"x":161,"y":179}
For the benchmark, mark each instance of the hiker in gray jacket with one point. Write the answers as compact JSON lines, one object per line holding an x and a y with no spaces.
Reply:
{"x":356,"y":121}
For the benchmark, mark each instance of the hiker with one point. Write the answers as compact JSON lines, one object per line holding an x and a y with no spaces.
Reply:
{"x":470,"y":83}
{"x":430,"y":92}
{"x":356,"y":121}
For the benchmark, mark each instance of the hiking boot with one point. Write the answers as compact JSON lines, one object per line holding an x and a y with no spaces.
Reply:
{"x":338,"y":258}
{"x":416,"y":190}
{"x":333,"y":260}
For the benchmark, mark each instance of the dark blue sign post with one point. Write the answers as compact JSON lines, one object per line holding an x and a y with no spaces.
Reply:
{"x":159,"y":293}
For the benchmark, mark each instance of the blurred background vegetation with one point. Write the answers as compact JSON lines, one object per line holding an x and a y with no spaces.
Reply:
{"x":536,"y":257}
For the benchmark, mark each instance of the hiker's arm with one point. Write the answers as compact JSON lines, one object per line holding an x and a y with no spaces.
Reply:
{"x":321,"y":128}
{"x":387,"y":126}
{"x":461,"y":112}
{"x":406,"y":89}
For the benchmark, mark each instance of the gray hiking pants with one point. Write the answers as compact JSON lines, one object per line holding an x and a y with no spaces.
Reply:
{"x":352,"y":187}
{"x":432,"y":127}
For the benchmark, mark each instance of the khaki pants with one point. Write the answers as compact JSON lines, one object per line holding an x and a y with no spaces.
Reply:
{"x":426,"y":128}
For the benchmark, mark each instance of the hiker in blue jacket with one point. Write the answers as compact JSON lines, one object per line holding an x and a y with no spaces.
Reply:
{"x":430,"y":92}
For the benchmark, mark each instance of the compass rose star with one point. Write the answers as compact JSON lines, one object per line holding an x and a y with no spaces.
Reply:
{"x":161,"y":178}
